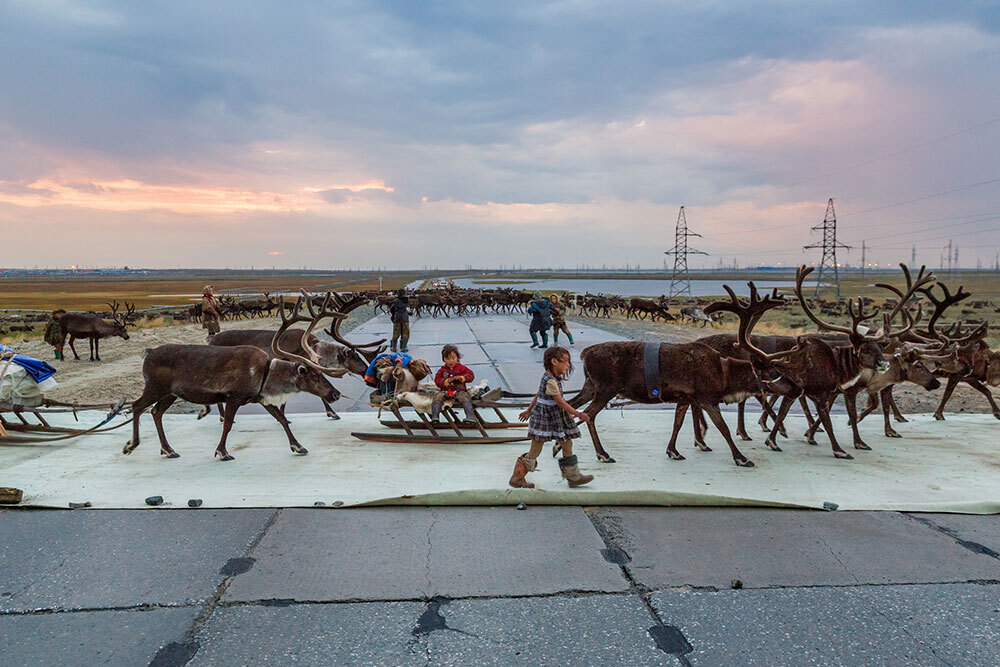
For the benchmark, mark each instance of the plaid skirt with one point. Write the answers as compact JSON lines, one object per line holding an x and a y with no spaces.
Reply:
{"x":550,"y":422}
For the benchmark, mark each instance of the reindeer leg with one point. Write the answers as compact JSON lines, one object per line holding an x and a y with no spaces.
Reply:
{"x":897,"y":415}
{"x":140,"y":404}
{"x":873,"y":403}
{"x":205,"y":411}
{"x":984,"y":390}
{"x":679,"y":413}
{"x":771,"y":440}
{"x":329,"y":410}
{"x":851,"y":399}
{"x":949,"y":388}
{"x":596,"y":405}
{"x":292,"y":442}
{"x":741,"y":426}
{"x":886,"y":399}
{"x":720,"y":423}
{"x":228,"y":414}
{"x":72,"y":338}
{"x":97,"y":349}
{"x":813,"y":423}
{"x":157,"y":412}
{"x":824,"y":415}
{"x":700,"y":428}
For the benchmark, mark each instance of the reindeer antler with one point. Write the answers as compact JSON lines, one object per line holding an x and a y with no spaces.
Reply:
{"x":313,"y":319}
{"x":942,"y":304}
{"x":912,"y":287}
{"x":749,"y":314}
{"x":345,"y":306}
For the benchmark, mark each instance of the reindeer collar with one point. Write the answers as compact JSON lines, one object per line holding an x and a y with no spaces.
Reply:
{"x":651,"y":371}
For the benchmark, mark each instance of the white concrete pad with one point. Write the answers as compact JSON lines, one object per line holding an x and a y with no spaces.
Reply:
{"x":949,"y":466}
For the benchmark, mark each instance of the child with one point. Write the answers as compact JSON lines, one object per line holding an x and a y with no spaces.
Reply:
{"x":551,"y":418}
{"x":541,"y":319}
{"x":452,"y":379}
{"x":558,"y":320}
{"x":53,"y":332}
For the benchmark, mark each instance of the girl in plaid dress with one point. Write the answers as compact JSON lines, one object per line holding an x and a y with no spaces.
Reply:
{"x":550,"y":417}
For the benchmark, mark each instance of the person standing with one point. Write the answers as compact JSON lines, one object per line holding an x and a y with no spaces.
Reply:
{"x":399,"y":312}
{"x":210,"y":311}
{"x":559,"y":320}
{"x":53,"y":332}
{"x":541,"y":319}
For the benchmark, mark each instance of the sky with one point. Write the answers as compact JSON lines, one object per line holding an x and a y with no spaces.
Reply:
{"x":538,"y":134}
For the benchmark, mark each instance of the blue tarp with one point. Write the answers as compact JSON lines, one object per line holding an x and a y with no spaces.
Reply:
{"x":37,"y":369}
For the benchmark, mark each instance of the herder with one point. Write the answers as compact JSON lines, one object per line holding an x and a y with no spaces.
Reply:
{"x":399,"y":311}
{"x":210,"y":314}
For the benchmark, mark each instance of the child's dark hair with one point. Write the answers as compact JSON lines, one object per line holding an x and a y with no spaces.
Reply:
{"x":555,"y":352}
{"x":448,"y":349}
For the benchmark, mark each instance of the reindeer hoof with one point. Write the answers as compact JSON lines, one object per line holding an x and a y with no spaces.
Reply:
{"x":842,"y":455}
{"x":332,"y":415}
{"x":171,"y":454}
{"x":892,"y":434}
{"x":939,"y":417}
{"x":995,"y":414}
{"x":863,"y":446}
{"x":811,"y":441}
{"x":745,"y":463}
{"x":128,"y":448}
{"x":745,"y":437}
{"x":902,"y":420}
{"x":225,"y":456}
{"x":301,"y":451}
{"x":703,"y":447}
{"x":773,"y":445}
{"x":676,"y":456}
{"x":606,"y":459}
{"x":203,"y":413}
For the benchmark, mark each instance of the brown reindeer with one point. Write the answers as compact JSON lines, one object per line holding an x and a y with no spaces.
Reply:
{"x":690,"y":374}
{"x":93,"y":327}
{"x":233,"y":376}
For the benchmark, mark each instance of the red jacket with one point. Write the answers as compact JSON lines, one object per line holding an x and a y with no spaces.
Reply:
{"x":458,"y":369}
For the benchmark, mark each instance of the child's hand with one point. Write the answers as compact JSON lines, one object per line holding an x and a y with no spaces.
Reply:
{"x":583,"y":416}
{"x":524,"y":415}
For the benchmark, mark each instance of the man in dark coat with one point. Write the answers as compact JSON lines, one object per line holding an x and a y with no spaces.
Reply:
{"x":399,"y":311}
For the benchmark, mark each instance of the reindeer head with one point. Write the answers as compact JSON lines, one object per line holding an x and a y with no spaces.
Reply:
{"x":122,"y":320}
{"x":311,"y":380}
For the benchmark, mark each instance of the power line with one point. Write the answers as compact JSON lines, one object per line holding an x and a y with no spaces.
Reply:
{"x":936,"y":194}
{"x":829,"y":245}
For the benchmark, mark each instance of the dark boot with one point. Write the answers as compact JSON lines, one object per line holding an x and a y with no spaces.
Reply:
{"x":522,"y":467}
{"x":571,"y":472}
{"x":392,"y":344}
{"x":545,"y":339}
{"x":470,"y":416}
{"x":402,"y":344}
{"x":534,"y":339}
{"x":570,"y":338}
{"x":555,"y":337}
{"x":436,"y":411}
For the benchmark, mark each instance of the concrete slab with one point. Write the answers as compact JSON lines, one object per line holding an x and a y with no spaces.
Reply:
{"x":398,"y":554}
{"x":93,"y":637}
{"x":471,"y":354}
{"x":597,"y":630}
{"x":312,"y":634}
{"x":977,"y":533}
{"x":74,"y":560}
{"x":909,"y":625}
{"x":764,"y":548}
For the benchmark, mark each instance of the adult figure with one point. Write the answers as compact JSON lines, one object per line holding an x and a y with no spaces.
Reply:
{"x":399,"y":312}
{"x":541,"y":319}
{"x":210,"y":311}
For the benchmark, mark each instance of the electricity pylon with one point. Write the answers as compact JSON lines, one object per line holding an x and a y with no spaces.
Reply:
{"x":829,"y":246}
{"x":680,"y":282}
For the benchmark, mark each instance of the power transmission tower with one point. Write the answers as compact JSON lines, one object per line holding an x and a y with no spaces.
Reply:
{"x":913,"y":256}
{"x":829,"y":246}
{"x":863,"y":249}
{"x":949,"y":257}
{"x":680,"y":282}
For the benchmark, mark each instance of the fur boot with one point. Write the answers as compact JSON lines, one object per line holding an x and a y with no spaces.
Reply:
{"x":571,"y":472}
{"x":545,"y":339}
{"x":522,"y":467}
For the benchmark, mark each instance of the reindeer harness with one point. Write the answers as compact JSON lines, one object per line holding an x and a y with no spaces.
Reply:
{"x":651,"y":370}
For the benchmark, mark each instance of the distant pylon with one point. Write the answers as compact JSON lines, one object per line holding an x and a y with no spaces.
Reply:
{"x":680,"y":282}
{"x":829,"y":246}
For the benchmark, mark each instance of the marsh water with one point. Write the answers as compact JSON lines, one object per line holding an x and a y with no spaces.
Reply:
{"x":622,"y":287}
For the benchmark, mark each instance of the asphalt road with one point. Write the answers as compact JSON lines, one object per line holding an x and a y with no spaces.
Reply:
{"x":485,"y":585}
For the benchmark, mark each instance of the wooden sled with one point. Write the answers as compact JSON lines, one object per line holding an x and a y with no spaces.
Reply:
{"x":450,"y":431}
{"x":24,"y":431}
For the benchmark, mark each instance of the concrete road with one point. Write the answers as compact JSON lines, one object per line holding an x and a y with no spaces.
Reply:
{"x":483,"y":585}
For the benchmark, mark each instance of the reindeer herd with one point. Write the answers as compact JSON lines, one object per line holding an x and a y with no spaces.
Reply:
{"x":843,"y":360}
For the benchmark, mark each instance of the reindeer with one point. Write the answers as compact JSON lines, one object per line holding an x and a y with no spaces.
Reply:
{"x":695,"y":314}
{"x":93,"y":327}
{"x":234,"y":376}
{"x":690,"y":374}
{"x":336,"y":360}
{"x":639,"y":308}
